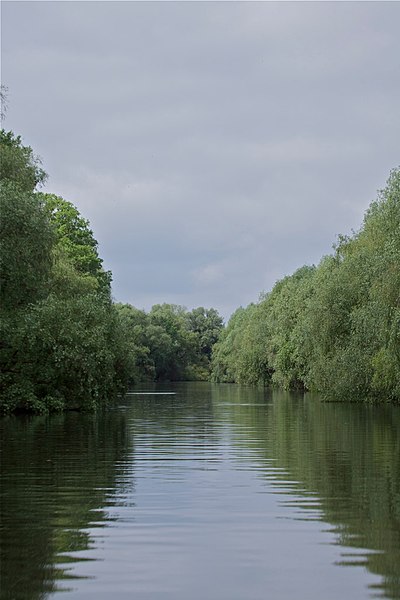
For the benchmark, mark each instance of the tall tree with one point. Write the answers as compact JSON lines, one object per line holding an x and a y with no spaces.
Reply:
{"x":76,"y":238}
{"x":207,"y":324}
{"x":26,"y":241}
{"x":61,"y":345}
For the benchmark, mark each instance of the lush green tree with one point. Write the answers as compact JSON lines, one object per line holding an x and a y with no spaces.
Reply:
{"x":334,"y":328}
{"x":227,"y":357}
{"x":26,"y":242}
{"x":64,"y":357}
{"x":18,"y":163}
{"x":26,"y":235}
{"x":172,"y":345}
{"x":165,"y":343}
{"x":207,"y":324}
{"x":65,"y":350}
{"x":354,"y":316}
{"x":134,"y":329}
{"x":286,"y":309}
{"x":263,"y":343}
{"x":76,"y":238}
{"x":382,"y":230}
{"x":26,"y":261}
{"x":62,"y":343}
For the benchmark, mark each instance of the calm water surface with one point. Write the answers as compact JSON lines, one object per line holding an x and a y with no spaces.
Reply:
{"x":211,"y":492}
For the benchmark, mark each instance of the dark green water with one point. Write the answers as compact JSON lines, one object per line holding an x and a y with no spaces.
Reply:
{"x":215,"y":492}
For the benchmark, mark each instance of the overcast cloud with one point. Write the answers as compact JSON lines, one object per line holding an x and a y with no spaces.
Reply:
{"x":214,"y":147}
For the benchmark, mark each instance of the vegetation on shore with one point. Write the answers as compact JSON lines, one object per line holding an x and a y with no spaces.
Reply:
{"x":334,"y":328}
{"x":65,"y":344}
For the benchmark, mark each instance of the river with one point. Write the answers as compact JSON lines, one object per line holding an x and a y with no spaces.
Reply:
{"x":203,"y":492}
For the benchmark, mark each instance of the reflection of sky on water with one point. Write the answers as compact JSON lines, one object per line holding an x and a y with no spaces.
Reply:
{"x":214,"y":517}
{"x":216,"y":492}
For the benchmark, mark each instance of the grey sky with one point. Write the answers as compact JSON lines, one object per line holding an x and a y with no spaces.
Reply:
{"x":214,"y":147}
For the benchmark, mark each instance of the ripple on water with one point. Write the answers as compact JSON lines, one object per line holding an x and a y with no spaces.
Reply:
{"x":203,"y":492}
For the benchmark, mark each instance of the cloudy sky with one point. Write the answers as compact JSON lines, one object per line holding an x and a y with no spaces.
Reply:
{"x":214,"y":146}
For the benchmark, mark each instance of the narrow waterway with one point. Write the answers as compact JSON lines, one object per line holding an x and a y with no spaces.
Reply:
{"x":203,"y":492}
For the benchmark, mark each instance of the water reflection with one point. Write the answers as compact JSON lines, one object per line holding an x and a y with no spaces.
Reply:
{"x":215,"y":491}
{"x":343,"y":459}
{"x":56,"y":477}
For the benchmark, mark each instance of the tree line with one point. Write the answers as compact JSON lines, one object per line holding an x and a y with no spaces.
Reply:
{"x":333,"y":328}
{"x":64,"y":343}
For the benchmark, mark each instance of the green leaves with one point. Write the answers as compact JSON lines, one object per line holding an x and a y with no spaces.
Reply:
{"x":76,"y":238}
{"x":207,"y":325}
{"x":26,"y":240}
{"x":18,"y":163}
{"x":334,"y":328}
{"x":61,"y":340}
{"x":170,"y":343}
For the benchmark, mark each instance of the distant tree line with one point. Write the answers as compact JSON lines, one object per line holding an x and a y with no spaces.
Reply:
{"x":169,"y":343}
{"x":64,"y":343}
{"x":334,"y":328}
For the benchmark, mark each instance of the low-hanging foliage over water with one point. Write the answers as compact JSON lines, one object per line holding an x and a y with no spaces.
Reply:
{"x":334,"y":328}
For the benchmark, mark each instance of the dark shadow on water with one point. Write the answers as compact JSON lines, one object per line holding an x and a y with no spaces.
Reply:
{"x":56,"y":475}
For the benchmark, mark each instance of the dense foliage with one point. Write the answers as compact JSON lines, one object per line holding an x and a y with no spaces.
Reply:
{"x":334,"y":328}
{"x":61,"y":342}
{"x":170,"y":343}
{"x":64,"y":344}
